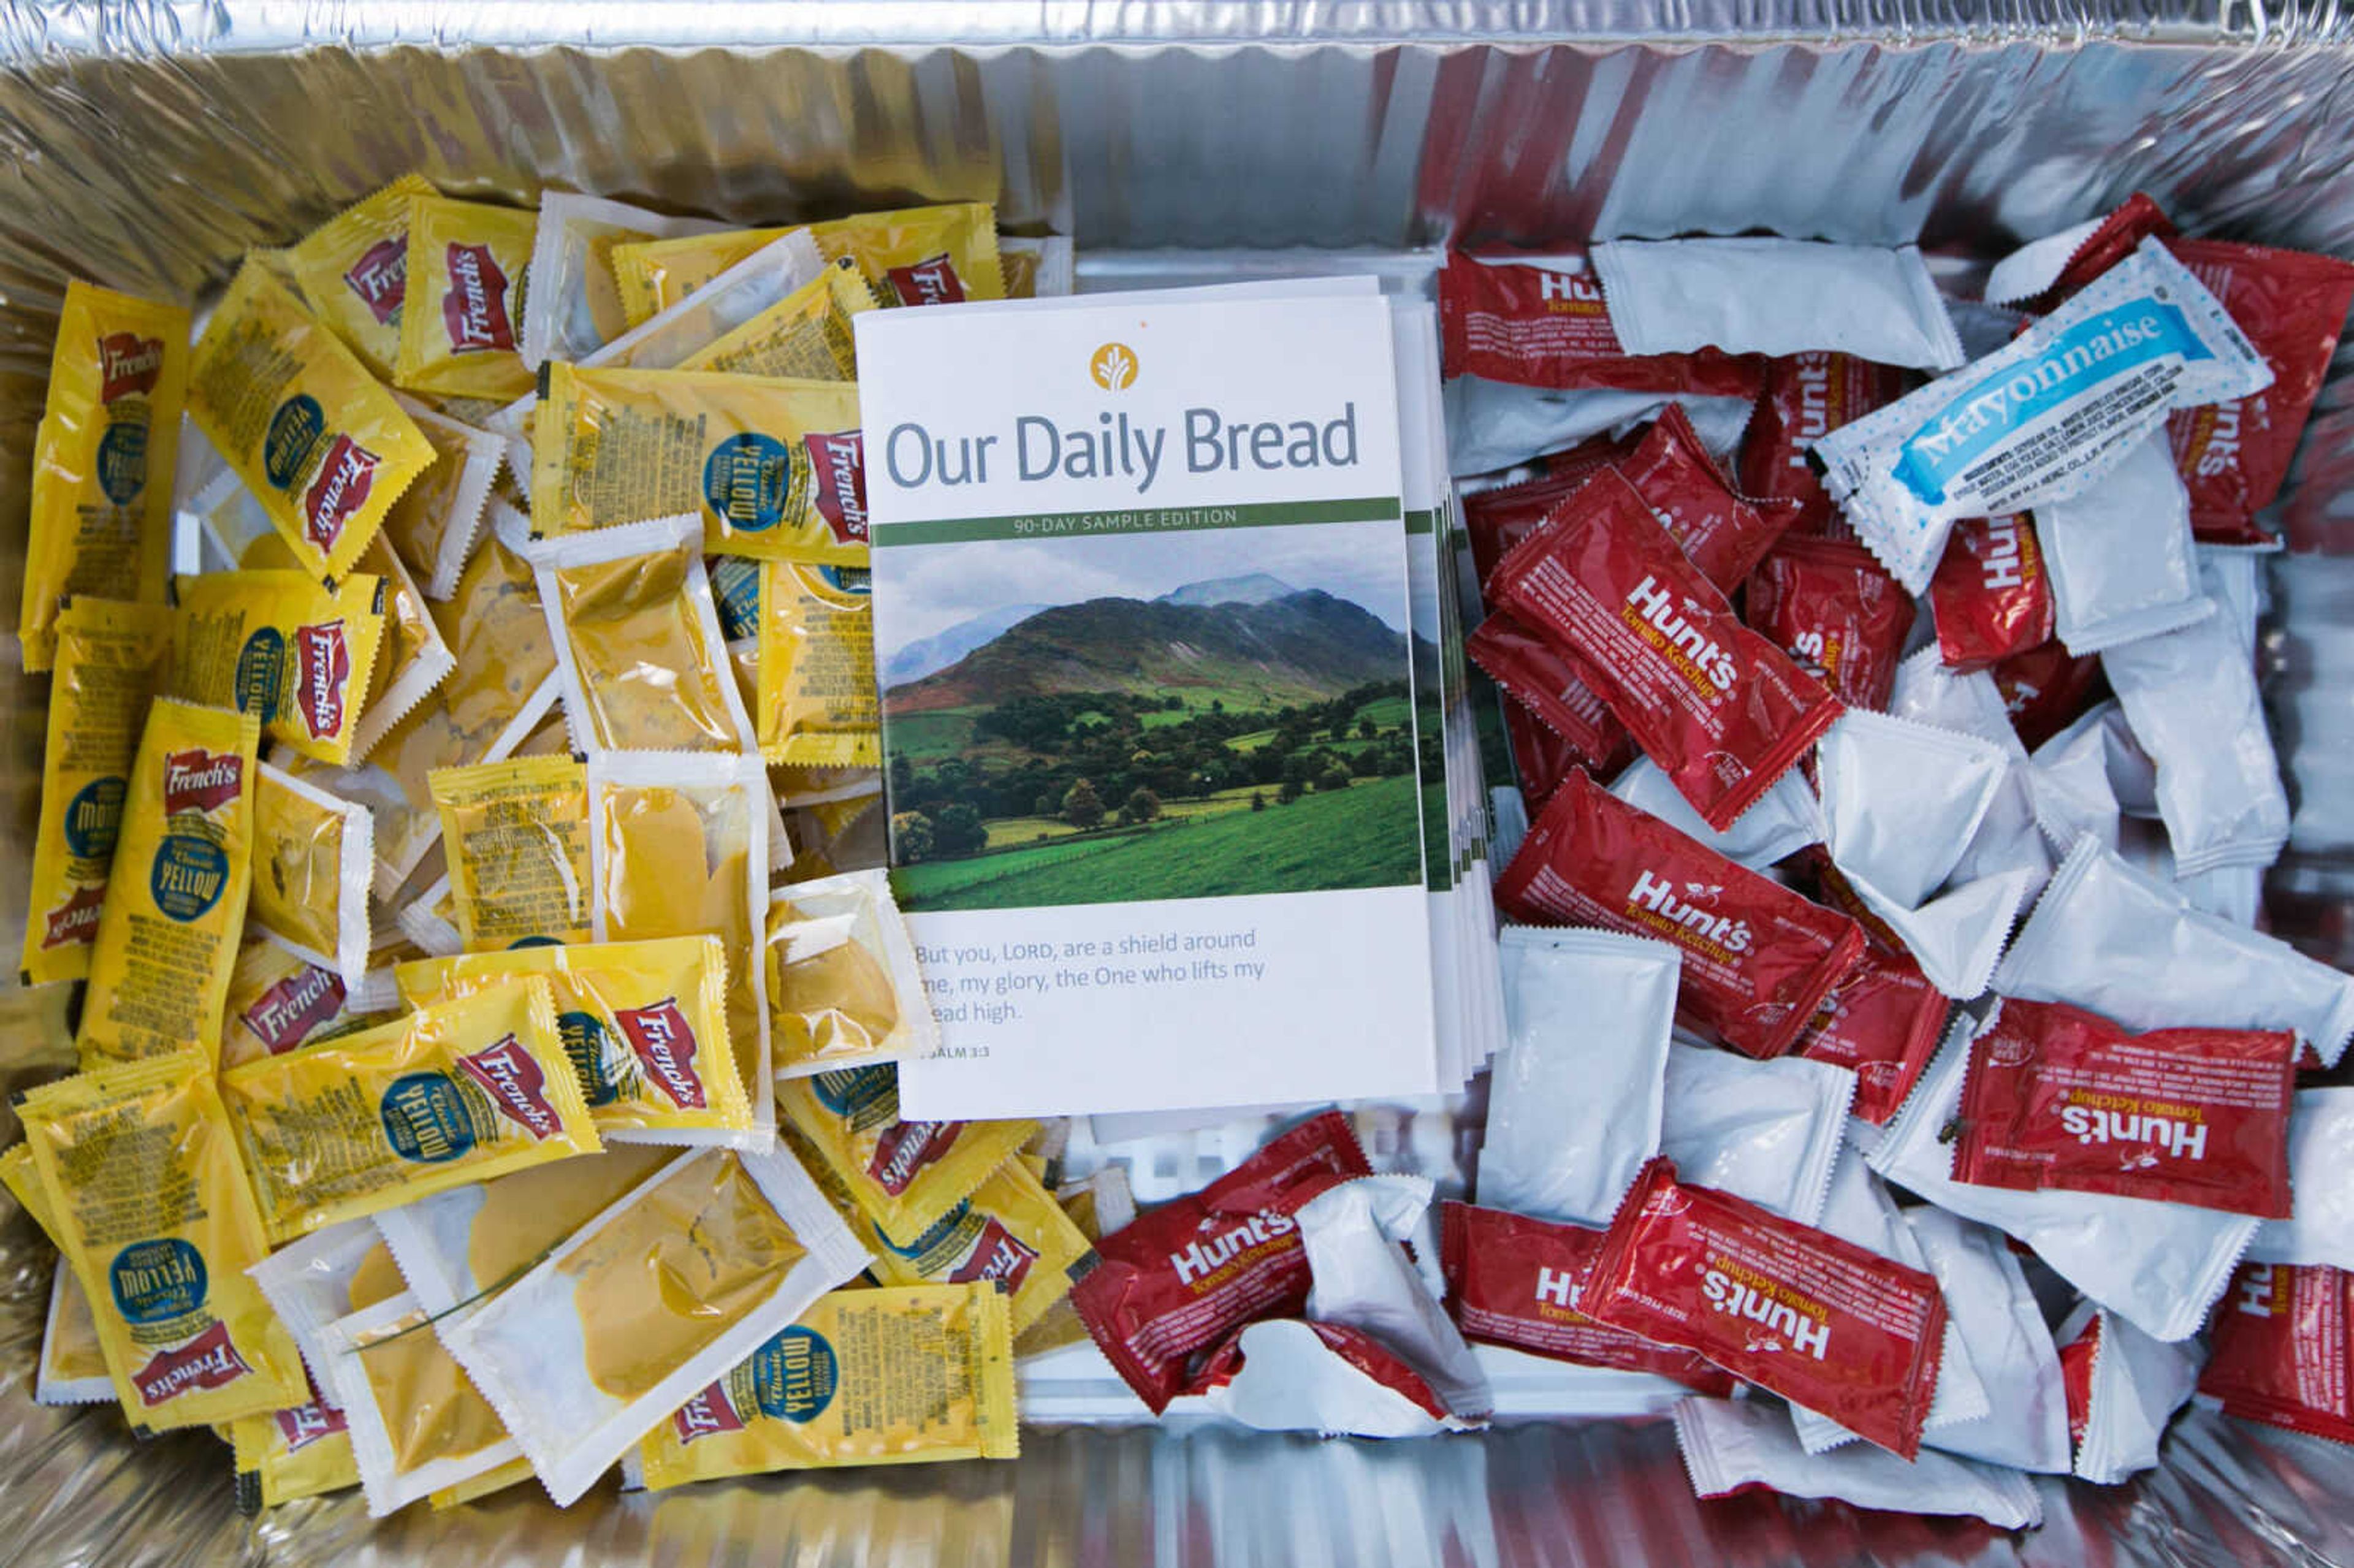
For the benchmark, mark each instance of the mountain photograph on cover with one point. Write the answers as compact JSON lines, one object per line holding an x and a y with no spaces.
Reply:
{"x":1128,"y":716}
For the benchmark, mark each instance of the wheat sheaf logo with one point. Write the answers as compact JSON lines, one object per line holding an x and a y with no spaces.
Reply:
{"x":1113,"y":367}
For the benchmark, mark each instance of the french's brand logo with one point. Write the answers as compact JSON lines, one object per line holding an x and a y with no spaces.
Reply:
{"x":1734,"y":1300}
{"x":283,"y":1016}
{"x":128,"y":363}
{"x":200,"y":780}
{"x":511,"y":1077}
{"x":997,"y":1255}
{"x":209,"y":1361}
{"x":381,"y":278}
{"x":306,"y":1423}
{"x":75,"y":920}
{"x":838,"y":480}
{"x":340,"y":489}
{"x":1204,"y":1258}
{"x":2176,"y":1137}
{"x":708,"y":1414}
{"x":323,"y":670}
{"x":1659,"y":895}
{"x":1113,"y":367}
{"x":931,"y":281}
{"x":906,"y":1147}
{"x":1651,"y":605}
{"x":475,"y":307}
{"x":664,"y":1044}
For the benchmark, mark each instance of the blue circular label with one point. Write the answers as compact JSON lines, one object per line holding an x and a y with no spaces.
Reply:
{"x":260,"y":667}
{"x":584,"y":1043}
{"x":848,"y":580}
{"x":94,"y":816}
{"x":793,"y":1375}
{"x":156,"y":1281}
{"x":295,"y":431}
{"x":189,"y":875}
{"x":853,"y":1089}
{"x":747,"y":478}
{"x":425,"y":1118}
{"x":122,"y":461}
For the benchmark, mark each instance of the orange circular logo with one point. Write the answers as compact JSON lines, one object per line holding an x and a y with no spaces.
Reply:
{"x":1113,"y":367}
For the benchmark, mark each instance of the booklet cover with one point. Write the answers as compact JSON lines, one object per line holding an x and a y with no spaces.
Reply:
{"x":1142,"y":635}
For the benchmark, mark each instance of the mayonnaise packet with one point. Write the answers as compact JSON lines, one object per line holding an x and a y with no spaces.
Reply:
{"x":332,"y":1273}
{"x":104,"y":460}
{"x":168,"y":934}
{"x":110,"y":659}
{"x":467,"y":267}
{"x":2120,"y":554}
{"x":418,"y":1424}
{"x":1784,"y":821}
{"x":843,"y":987}
{"x":149,"y":1202}
{"x":434,"y":527}
{"x":278,"y":1003}
{"x":454,"y":1093}
{"x":805,"y":337}
{"x":905,"y":1175}
{"x":1732,"y":1444}
{"x":2320,"y":1155}
{"x":816,"y":705}
{"x":638,"y":640}
{"x":311,"y":433}
{"x":516,"y":833}
{"x":280,"y":643}
{"x":1901,"y":801}
{"x":650,"y":1301}
{"x":572,"y":308}
{"x":1357,"y":1234}
{"x":1767,"y":1131}
{"x":917,"y":256}
{"x":895,"y":1376}
{"x":313,"y":856}
{"x":2011,"y":1349}
{"x":2136,"y":1385}
{"x":2008,"y":838}
{"x":354,"y":271}
{"x":1768,"y":295}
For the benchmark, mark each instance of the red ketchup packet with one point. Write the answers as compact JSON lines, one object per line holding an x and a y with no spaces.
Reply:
{"x":1499,"y":519}
{"x":1539,"y":324}
{"x":2077,"y":1358}
{"x":1806,"y":397}
{"x":2281,"y":1353}
{"x":1991,"y":597}
{"x":2046,"y":689}
{"x":2119,"y":236}
{"x":1758,"y":959}
{"x":1514,"y":1280}
{"x":1551,"y":682}
{"x":1800,"y":1312}
{"x":1838,"y":611}
{"x":1181,"y":1278}
{"x":2058,"y":1097}
{"x":1541,"y":759}
{"x":1722,"y":711}
{"x":1882,"y":1022}
{"x":1721,"y":531}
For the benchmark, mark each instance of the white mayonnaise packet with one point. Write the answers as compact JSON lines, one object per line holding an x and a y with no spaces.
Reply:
{"x":405,"y":1451}
{"x":1729,"y":1444}
{"x":2008,"y":838}
{"x":2137,"y":1384}
{"x":1575,"y":1103}
{"x":1767,"y":1131}
{"x":1901,"y":801}
{"x":1492,"y":425}
{"x":2120,"y":554}
{"x":1768,"y":295}
{"x":70,"y":1323}
{"x":1986,"y":1294}
{"x":572,"y":307}
{"x":1957,"y":938}
{"x":1360,"y":1276}
{"x":2085,"y":776}
{"x":1785,"y":819}
{"x":1290,"y":1380}
{"x":2321,"y":1174}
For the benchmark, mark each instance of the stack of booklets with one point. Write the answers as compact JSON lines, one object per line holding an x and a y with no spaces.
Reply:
{"x":1186,"y":803}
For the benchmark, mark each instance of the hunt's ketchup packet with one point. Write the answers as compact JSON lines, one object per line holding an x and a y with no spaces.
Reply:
{"x":2077,"y":1358}
{"x":1182,"y":1277}
{"x":2118,"y":236}
{"x":2046,"y":689}
{"x":1806,"y":397}
{"x":1722,"y":711}
{"x":1821,"y":1322}
{"x":2059,"y":1098}
{"x":1883,"y":1022}
{"x":1551,"y":682}
{"x":1758,"y":959}
{"x":1540,"y":758}
{"x":2281,"y":1349}
{"x":1837,"y":611}
{"x":1544,"y":322}
{"x":1723,"y":533}
{"x":1991,"y":597}
{"x":1499,"y":519}
{"x":1515,"y":1280}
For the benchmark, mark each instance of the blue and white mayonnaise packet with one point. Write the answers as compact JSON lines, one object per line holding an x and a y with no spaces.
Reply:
{"x":2042,"y":418}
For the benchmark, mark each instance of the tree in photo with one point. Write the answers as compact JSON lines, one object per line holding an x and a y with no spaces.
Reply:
{"x":911,"y":834}
{"x":1082,"y":807}
{"x":1144,"y":806}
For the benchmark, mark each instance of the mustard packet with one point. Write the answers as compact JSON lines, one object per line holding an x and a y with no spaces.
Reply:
{"x":320,"y":443}
{"x":290,"y":1455}
{"x":843,"y":987}
{"x":278,"y":1003}
{"x":73,"y":1365}
{"x":774,"y":468}
{"x":436,"y":523}
{"x":917,"y":256}
{"x":168,"y":935}
{"x":472,"y":1088}
{"x":103,"y":459}
{"x":573,"y":308}
{"x":1037,"y":269}
{"x":1096,"y":1207}
{"x":468,"y":265}
{"x":516,"y":833}
{"x":150,"y":1205}
{"x":805,"y":337}
{"x":817,"y":704}
{"x":895,"y":1376}
{"x":417,"y":1422}
{"x":905,"y":1175}
{"x":283,"y":646}
{"x":313,"y":855}
{"x":110,"y":657}
{"x":354,"y":272}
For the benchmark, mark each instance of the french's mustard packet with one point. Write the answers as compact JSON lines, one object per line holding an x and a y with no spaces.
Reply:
{"x":282,"y":645}
{"x":354,"y":272}
{"x":414,"y":659}
{"x":315,"y":438}
{"x":843,"y":987}
{"x":905,"y":1175}
{"x":805,"y":337}
{"x":1096,"y":1207}
{"x":645,"y":1024}
{"x":290,"y":1455}
{"x":435,"y":525}
{"x":895,"y":1376}
{"x":110,"y":657}
{"x":278,"y":1003}
{"x":73,"y":1365}
{"x":917,"y":256}
{"x":417,"y":1422}
{"x":313,"y":856}
{"x":774,"y":468}
{"x":468,"y":266}
{"x":150,"y":1205}
{"x":167,"y":935}
{"x":516,"y":835}
{"x":450,"y":1094}
{"x":655,"y":1298}
{"x":1037,"y":269}
{"x":103,"y":459}
{"x":638,"y":641}
{"x":816,"y":705}
{"x":573,"y":308}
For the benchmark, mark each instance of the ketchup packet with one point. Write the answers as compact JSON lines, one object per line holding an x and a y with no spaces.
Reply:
{"x":1806,"y":397}
{"x":1183,"y":1277}
{"x":1543,"y":322}
{"x":1881,"y":1022}
{"x":2282,"y":1353}
{"x":2124,"y":1387}
{"x":1732,"y":1446}
{"x":1496,"y":519}
{"x":1724,"y":534}
{"x":1758,"y":959}
{"x":1767,"y":1298}
{"x":1837,"y":611}
{"x":1549,"y":685}
{"x":2059,"y":1098}
{"x":2046,"y":689}
{"x":1991,"y":597}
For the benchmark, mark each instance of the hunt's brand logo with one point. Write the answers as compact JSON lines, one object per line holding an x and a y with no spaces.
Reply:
{"x":1113,"y":367}
{"x":1558,"y":1288}
{"x":323,"y":670}
{"x":75,"y":920}
{"x":475,"y":307}
{"x":2176,"y":1137}
{"x":1814,"y":376}
{"x":283,"y":1016}
{"x":1735,"y":1299}
{"x":2256,"y":1296}
{"x":664,"y":1044}
{"x":1202,"y":1258}
{"x":340,"y":490}
{"x":2000,"y":562}
{"x":1575,"y":290}
{"x":127,"y":364}
{"x":838,"y":483}
{"x":200,"y":780}
{"x":2222,"y":452}
{"x":708,"y":1414}
{"x":511,"y":1077}
{"x":997,"y":1255}
{"x":931,"y":281}
{"x":1653,"y":606}
{"x":306,"y":1423}
{"x":209,"y":1361}
{"x":380,"y":278}
{"x":906,"y":1147}
{"x":1659,"y":895}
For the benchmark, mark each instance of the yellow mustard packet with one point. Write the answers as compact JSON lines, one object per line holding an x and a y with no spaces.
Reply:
{"x":110,"y":657}
{"x":150,"y":1205}
{"x":167,"y":935}
{"x":817,"y":704}
{"x":290,"y":1455}
{"x":278,"y":1003}
{"x":774,"y":468}
{"x":435,"y":525}
{"x":844,"y":989}
{"x":471,"y":1088}
{"x":319,"y":442}
{"x":104,"y":460}
{"x":645,"y":1025}
{"x":516,"y":835}
{"x":469,"y":264}
{"x":894,"y":1376}
{"x":72,"y":1366}
{"x":412,"y":657}
{"x":805,"y":337}
{"x":905,"y":1175}
{"x":916,"y":256}
{"x":1037,"y":268}
{"x":313,"y":857}
{"x":354,"y":271}
{"x":284,"y":646}
{"x":415,"y":1421}
{"x":1096,"y":1207}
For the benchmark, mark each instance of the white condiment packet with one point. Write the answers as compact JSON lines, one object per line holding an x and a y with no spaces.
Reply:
{"x":1986,"y":1294}
{"x":1767,"y":1131}
{"x":308,"y":1284}
{"x":2008,"y":838}
{"x":1785,"y":819}
{"x":1292,"y":1379}
{"x":343,"y":1381}
{"x":1492,"y":425}
{"x":1766,"y":295}
{"x":1901,"y":801}
{"x":1957,"y":938}
{"x":2321,"y":1175}
{"x":2085,"y":776}
{"x":2137,"y":1384}
{"x":2120,"y":555}
{"x":1360,"y":1276}
{"x":572,"y":270}
{"x":1730,"y":1443}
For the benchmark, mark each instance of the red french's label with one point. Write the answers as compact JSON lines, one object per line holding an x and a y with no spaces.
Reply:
{"x":1549,"y":682}
{"x":1722,"y":710}
{"x":75,"y":920}
{"x":511,"y":1075}
{"x":200,"y":780}
{"x":838,"y":478}
{"x":1818,"y":1320}
{"x":931,"y":281}
{"x":209,"y":1361}
{"x":474,"y":310}
{"x":282,"y":1017}
{"x":708,"y":1414}
{"x":664,"y":1044}
{"x":2059,"y":1098}
{"x":337,"y":491}
{"x":1806,"y":397}
{"x":2046,"y":689}
{"x":1990,"y":597}
{"x":2282,"y":1353}
{"x":380,"y":278}
{"x":306,"y":1423}
{"x":905,"y":1148}
{"x":1836,"y":609}
{"x":1881,"y":1022}
{"x":1547,"y":325}
{"x":2076,"y":1358}
{"x":1515,"y":1280}
{"x":1181,"y":1278}
{"x":1758,"y":959}
{"x":323,"y":672}
{"x":128,"y":363}
{"x":997,"y":1253}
